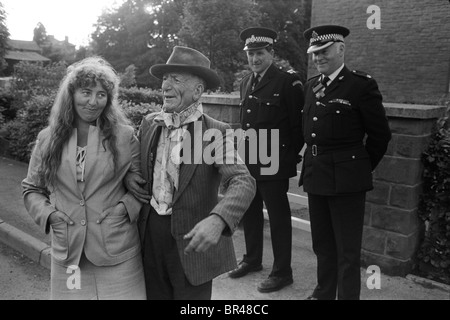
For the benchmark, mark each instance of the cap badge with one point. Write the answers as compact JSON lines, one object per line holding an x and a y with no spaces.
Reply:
{"x":314,"y":35}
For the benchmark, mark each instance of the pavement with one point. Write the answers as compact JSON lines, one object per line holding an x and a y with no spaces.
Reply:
{"x":19,"y":232}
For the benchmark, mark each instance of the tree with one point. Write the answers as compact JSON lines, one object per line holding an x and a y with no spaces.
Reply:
{"x":4,"y":35}
{"x":289,"y":18}
{"x":139,"y":32}
{"x":40,"y":34}
{"x":213,"y":27}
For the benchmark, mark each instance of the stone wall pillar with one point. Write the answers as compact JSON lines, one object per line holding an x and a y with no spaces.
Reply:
{"x":223,"y":108}
{"x":392,"y":227}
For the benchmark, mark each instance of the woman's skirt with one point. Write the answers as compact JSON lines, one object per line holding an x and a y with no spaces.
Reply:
{"x":124,"y":281}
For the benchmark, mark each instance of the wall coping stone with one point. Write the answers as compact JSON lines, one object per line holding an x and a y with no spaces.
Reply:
{"x":415,"y":111}
{"x":225,"y":99}
{"x":395,"y":110}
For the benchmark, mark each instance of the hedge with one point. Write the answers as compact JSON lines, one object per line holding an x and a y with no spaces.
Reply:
{"x":433,"y":256}
{"x":22,"y":132}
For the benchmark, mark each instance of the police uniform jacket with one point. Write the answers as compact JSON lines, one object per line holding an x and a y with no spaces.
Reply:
{"x":346,"y":132}
{"x":275,"y":103}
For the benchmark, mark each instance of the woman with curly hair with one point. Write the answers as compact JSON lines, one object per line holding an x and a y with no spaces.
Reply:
{"x":74,"y":188}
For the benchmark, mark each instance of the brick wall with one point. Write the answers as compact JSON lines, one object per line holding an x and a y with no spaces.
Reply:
{"x":409,"y":56}
{"x":392,"y":227}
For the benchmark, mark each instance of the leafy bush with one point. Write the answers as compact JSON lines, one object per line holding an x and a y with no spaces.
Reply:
{"x":33,"y":79}
{"x":140,"y":95}
{"x":22,"y":131}
{"x":128,"y":78}
{"x":135,"y":112}
{"x":433,"y":257}
{"x":7,"y":112}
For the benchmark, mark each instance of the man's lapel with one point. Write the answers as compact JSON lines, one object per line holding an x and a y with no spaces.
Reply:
{"x":150,"y":151}
{"x":195,"y":130}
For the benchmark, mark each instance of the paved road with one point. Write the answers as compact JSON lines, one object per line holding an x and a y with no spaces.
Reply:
{"x":21,"y":278}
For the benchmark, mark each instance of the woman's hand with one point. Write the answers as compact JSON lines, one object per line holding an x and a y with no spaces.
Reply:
{"x":58,"y":216}
{"x":117,"y":210}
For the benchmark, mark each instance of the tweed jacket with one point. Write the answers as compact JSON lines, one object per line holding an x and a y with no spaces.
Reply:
{"x":197,"y":197}
{"x":347,"y":134}
{"x":274,"y":104}
{"x":113,"y":241}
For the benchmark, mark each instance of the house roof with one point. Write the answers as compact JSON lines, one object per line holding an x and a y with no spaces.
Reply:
{"x":24,"y":56}
{"x":23,"y":45}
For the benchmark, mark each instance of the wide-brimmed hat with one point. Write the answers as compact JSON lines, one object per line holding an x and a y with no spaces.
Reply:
{"x":322,"y":37}
{"x":188,"y":60}
{"x":258,"y":38}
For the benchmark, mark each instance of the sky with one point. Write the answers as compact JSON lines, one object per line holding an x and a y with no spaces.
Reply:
{"x":61,"y":18}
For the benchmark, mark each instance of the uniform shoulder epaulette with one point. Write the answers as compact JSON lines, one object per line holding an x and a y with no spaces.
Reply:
{"x":314,"y":77}
{"x":294,"y":75}
{"x":362,"y":74}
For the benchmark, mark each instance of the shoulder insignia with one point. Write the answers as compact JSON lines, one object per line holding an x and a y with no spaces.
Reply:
{"x":297,"y":82}
{"x":361,"y":74}
{"x":315,"y":77}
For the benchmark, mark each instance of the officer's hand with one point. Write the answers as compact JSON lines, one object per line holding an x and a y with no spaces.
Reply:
{"x":205,"y":234}
{"x":58,"y":216}
{"x":133,"y":182}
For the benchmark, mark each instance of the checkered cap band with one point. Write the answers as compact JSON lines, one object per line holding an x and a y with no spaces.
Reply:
{"x":254,"y":39}
{"x":325,"y":38}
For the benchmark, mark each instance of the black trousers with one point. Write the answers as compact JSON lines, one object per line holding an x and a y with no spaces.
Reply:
{"x":336,"y":230}
{"x":164,"y":274}
{"x":274,"y":195}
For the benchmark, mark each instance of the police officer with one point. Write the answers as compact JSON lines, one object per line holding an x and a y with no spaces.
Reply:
{"x":271,"y":100}
{"x":347,"y":134}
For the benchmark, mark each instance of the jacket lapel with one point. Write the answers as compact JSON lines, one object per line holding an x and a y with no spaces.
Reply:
{"x":94,"y":146}
{"x":337,"y":81}
{"x":197,"y":145}
{"x":270,"y":73}
{"x":71,"y":150}
{"x":149,"y":150}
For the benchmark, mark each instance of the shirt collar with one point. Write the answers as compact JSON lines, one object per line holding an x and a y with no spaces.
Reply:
{"x":335,"y":74}
{"x":262,"y":73}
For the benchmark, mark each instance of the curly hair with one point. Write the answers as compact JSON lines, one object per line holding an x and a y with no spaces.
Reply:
{"x":85,"y":73}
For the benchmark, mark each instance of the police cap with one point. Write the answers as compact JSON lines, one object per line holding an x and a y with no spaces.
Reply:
{"x":322,"y":37}
{"x":258,"y":38}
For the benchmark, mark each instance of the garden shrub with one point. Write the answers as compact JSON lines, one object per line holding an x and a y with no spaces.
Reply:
{"x":7,"y":112}
{"x":135,"y":112}
{"x":433,"y":257}
{"x":36,"y":79}
{"x":140,"y":96}
{"x":22,"y":132}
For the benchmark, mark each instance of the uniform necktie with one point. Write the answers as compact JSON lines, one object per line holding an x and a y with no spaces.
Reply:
{"x":324,"y":81}
{"x":255,"y":81}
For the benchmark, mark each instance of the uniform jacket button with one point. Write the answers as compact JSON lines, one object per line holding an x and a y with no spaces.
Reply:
{"x":313,"y":135}
{"x":83,"y":222}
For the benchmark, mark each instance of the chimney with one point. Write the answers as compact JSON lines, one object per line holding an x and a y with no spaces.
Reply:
{"x":66,"y":39}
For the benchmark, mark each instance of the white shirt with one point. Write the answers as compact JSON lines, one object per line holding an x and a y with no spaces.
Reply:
{"x":334,"y":74}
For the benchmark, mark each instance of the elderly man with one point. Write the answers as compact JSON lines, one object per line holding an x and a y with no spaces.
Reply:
{"x":347,"y":133}
{"x":185,"y":230}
